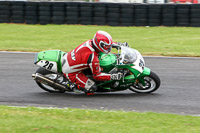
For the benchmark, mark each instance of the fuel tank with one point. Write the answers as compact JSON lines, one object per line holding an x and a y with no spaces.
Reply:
{"x":107,"y":61}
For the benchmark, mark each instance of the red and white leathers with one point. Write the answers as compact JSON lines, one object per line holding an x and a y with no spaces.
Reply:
{"x":81,"y":58}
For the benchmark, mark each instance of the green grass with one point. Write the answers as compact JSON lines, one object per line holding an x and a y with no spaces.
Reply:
{"x":170,"y":41}
{"x":36,"y":120}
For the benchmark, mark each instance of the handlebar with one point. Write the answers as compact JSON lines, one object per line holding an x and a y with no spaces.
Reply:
{"x":116,"y":46}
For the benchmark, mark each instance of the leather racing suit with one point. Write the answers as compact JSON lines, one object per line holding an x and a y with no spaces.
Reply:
{"x":83,"y":57}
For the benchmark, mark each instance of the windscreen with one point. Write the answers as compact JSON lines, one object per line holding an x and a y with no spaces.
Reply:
{"x":128,"y":55}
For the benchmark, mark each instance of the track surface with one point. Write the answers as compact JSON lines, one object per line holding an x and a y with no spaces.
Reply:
{"x":179,"y":92}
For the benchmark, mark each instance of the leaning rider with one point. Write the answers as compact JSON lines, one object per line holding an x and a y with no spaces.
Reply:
{"x":86,"y":56}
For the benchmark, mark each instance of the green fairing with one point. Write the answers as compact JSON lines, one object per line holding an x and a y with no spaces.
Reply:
{"x":146,"y":72}
{"x":52,"y":55}
{"x":128,"y":80}
{"x":129,"y":77}
{"x":134,"y":71}
{"x":107,"y":61}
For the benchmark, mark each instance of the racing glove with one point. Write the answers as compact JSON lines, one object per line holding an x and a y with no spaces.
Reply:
{"x":116,"y":76}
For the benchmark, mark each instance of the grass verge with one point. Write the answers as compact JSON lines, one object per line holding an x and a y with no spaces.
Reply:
{"x":33,"y":120}
{"x":170,"y":41}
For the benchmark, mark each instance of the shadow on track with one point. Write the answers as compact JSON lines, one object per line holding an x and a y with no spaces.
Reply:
{"x":107,"y":95}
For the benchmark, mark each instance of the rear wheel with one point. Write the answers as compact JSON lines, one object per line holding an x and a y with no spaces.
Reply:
{"x":50,"y":75}
{"x":152,"y":83}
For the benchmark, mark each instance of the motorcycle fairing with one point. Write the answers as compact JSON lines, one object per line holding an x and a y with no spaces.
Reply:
{"x":127,"y":81}
{"x":146,"y":72}
{"x":50,"y":60}
{"x":107,"y":61}
{"x":49,"y":65}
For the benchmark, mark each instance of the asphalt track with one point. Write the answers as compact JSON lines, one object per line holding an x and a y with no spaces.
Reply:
{"x":179,"y":92}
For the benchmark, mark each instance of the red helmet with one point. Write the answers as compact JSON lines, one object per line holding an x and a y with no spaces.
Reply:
{"x":103,"y":41}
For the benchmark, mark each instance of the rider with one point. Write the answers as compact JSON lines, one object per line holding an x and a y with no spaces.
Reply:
{"x":86,"y":56}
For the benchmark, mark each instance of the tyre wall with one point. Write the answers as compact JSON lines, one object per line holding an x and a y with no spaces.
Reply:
{"x":113,"y":14}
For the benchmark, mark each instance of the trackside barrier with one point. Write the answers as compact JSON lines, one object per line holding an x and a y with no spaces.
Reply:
{"x":113,"y":14}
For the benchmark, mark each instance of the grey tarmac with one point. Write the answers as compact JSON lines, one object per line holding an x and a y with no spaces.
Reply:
{"x":179,"y":92}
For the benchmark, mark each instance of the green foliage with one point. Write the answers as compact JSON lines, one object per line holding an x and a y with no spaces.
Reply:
{"x":32,"y":119}
{"x":175,"y":41}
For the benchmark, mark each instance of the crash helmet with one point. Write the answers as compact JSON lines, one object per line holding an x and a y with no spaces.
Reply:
{"x":103,"y":41}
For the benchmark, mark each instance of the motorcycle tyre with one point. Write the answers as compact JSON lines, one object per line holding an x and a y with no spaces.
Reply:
{"x":45,"y":72}
{"x":156,"y":79}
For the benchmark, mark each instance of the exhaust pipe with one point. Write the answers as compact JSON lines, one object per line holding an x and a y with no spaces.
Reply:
{"x":42,"y":79}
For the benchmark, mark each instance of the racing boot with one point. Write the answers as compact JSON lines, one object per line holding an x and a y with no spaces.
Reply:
{"x":71,"y":86}
{"x":90,"y":90}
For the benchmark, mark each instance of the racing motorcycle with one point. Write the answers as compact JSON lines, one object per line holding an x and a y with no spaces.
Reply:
{"x":129,"y":61}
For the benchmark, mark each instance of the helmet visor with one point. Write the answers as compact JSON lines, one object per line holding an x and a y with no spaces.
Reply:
{"x":105,"y":46}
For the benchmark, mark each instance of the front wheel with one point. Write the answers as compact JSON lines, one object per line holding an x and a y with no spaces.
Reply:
{"x":152,"y":83}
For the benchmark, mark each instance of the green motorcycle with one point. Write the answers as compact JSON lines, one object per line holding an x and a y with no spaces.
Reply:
{"x":136,"y":77}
